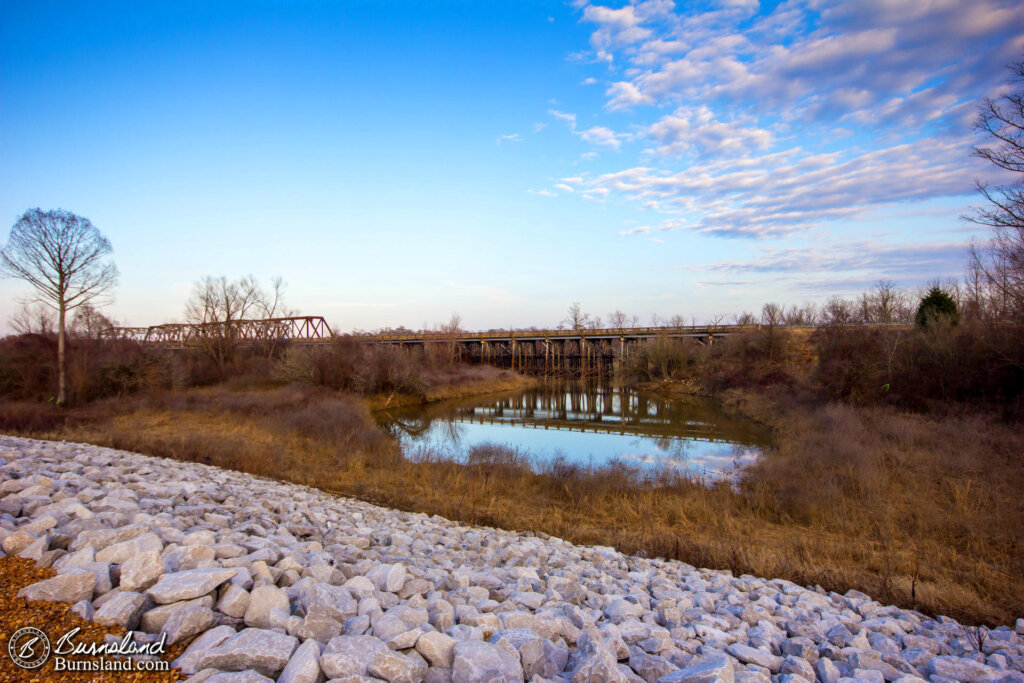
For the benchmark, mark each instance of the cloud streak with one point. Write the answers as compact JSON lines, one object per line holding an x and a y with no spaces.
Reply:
{"x":878,"y":260}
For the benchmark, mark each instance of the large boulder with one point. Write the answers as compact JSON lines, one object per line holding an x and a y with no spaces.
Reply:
{"x":123,"y":610}
{"x":304,"y":665}
{"x":188,"y":585}
{"x":77,"y":584}
{"x":475,"y":661}
{"x":351,"y":655}
{"x":188,"y":621}
{"x":261,"y":601}
{"x":189,"y":660}
{"x":265,"y":651}
{"x":141,"y":571}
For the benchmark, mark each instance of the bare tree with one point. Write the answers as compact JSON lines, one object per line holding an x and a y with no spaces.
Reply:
{"x":218,"y":306}
{"x":1001,"y":260}
{"x":576,"y":318}
{"x":772,"y":315}
{"x":64,"y":258}
{"x":33,"y":319}
{"x":886,"y":300}
{"x":618,"y":319}
{"x":451,"y":330}
{"x":838,"y":311}
{"x":274,"y":300}
{"x":865,"y":308}
{"x":802,"y":315}
{"x":746,"y":318}
{"x":89,"y":323}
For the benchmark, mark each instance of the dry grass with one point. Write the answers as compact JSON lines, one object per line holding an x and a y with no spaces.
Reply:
{"x":913,"y":510}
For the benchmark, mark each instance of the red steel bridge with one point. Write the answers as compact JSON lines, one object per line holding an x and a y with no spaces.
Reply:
{"x":305,"y":329}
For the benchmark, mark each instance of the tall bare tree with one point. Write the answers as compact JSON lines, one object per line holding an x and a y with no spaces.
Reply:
{"x":64,"y":258}
{"x":1001,"y":260}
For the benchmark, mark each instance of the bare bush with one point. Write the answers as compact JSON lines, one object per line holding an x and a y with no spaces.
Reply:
{"x":33,"y":319}
{"x":217,"y":307}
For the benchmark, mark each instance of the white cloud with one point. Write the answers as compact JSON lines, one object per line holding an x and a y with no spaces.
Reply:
{"x":563,"y":116}
{"x":696,"y":130}
{"x":599,"y":135}
{"x":596,"y":135}
{"x":510,"y":137}
{"x":640,"y":230}
{"x":625,"y":95}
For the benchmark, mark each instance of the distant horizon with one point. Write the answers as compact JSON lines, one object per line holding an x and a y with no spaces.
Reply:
{"x":397,"y":163}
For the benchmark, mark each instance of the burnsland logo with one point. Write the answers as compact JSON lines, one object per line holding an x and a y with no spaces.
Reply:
{"x":29,"y":648}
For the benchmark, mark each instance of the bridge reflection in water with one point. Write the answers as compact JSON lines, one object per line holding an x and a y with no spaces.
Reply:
{"x":586,"y":424}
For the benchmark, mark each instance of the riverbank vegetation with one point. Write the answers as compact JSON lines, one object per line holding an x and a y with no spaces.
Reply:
{"x":895,"y":467}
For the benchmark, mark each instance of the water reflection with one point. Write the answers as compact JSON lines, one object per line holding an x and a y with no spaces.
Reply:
{"x":587,"y":424}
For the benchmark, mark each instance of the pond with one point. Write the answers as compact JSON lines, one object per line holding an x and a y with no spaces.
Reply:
{"x":587,"y":424}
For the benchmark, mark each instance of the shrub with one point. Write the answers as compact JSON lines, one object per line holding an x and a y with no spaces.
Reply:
{"x":660,"y":358}
{"x":349,"y":365}
{"x":28,"y":367}
{"x":936,"y":306}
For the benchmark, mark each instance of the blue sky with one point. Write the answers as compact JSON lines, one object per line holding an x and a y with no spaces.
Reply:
{"x":395,"y":162}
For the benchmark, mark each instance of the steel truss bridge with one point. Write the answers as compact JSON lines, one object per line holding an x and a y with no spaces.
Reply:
{"x":305,"y":329}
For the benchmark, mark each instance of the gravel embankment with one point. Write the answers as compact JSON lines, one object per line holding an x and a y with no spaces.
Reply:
{"x":273,"y":581}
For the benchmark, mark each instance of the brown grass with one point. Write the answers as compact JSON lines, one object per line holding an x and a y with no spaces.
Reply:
{"x":914,"y":510}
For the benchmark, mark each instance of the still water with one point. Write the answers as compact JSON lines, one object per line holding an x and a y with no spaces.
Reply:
{"x":587,"y":424}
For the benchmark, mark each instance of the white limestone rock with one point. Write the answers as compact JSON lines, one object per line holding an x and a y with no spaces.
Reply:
{"x":264,"y":651}
{"x":141,"y":571}
{"x":188,"y":585}
{"x":72,"y":587}
{"x":304,"y":665}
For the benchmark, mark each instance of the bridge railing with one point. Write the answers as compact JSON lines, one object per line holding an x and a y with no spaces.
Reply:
{"x":560,"y":334}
